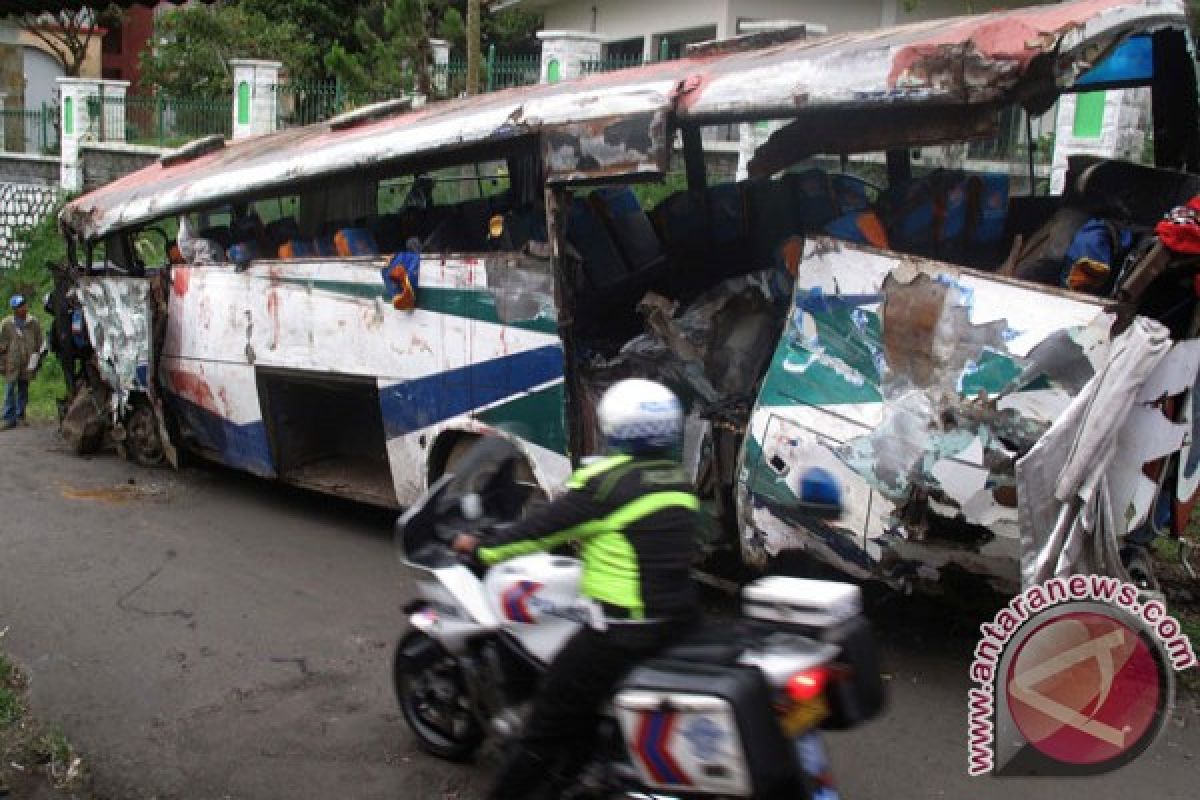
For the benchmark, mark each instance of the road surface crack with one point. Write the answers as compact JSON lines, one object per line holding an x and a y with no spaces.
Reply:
{"x":123,"y":602}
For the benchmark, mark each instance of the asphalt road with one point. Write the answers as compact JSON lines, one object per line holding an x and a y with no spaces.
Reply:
{"x":204,"y":635}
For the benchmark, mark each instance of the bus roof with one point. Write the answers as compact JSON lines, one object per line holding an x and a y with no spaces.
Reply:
{"x":619,"y":123}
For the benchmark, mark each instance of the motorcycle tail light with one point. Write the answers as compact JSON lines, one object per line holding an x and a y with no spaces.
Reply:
{"x":807,"y":685}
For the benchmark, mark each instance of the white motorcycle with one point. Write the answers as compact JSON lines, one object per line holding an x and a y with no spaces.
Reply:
{"x":734,"y":710}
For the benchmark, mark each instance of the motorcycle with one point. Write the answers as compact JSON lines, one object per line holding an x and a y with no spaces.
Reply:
{"x":735,"y":709}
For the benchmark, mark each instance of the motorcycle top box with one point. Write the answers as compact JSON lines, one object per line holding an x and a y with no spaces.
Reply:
{"x":830,"y":612}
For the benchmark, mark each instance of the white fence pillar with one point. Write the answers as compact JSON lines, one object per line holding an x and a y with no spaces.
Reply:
{"x":1116,"y":129}
{"x":563,"y":53}
{"x":75,"y":122}
{"x":255,"y":96}
{"x":441,"y":64}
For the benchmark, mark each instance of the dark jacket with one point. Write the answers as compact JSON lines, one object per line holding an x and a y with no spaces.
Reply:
{"x":637,"y":522}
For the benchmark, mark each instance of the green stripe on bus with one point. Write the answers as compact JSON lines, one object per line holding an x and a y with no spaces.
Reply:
{"x":477,"y":304}
{"x":537,"y":417}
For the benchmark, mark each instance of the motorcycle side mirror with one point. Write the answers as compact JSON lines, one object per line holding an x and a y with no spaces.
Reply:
{"x":820,"y":493}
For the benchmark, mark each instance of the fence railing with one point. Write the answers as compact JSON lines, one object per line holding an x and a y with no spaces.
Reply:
{"x":157,"y":119}
{"x":25,"y":130}
{"x":617,"y":61}
{"x":306,"y":102}
{"x":162,"y":120}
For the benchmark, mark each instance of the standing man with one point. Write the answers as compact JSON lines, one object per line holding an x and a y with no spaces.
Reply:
{"x":20,"y":345}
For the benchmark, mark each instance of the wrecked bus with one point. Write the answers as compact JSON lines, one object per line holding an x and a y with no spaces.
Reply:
{"x":345,"y":306}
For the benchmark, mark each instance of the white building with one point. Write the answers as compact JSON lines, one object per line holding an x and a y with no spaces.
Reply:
{"x":637,"y":28}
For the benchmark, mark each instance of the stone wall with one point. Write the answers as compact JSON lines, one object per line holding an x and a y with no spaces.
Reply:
{"x":104,"y":163}
{"x":26,"y":168}
{"x":22,"y":206}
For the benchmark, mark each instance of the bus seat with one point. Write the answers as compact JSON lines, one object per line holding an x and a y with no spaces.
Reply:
{"x":860,"y":227}
{"x":282,"y":230}
{"x":631,"y":229}
{"x":929,"y":214}
{"x":815,"y":198}
{"x":242,"y":252}
{"x":989,"y":208}
{"x":773,"y":216}
{"x":602,"y":261}
{"x":685,"y":227}
{"x":355,"y":242}
{"x":324,"y":247}
{"x":297,"y":248}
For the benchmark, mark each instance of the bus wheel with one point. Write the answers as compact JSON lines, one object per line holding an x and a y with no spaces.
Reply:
{"x":143,"y":442}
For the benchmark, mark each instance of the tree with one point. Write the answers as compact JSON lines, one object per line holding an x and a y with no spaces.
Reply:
{"x":473,"y":58}
{"x":67,"y":33}
{"x":192,"y":46}
{"x":374,"y":48}
{"x":395,"y":53}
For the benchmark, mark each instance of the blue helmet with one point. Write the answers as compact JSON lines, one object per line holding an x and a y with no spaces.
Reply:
{"x":16,"y":301}
{"x":639,"y":417}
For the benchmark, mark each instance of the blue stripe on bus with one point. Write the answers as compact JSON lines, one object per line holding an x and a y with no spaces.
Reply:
{"x":425,"y":401}
{"x":244,"y":447}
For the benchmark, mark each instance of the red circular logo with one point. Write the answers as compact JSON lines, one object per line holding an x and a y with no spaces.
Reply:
{"x":1084,"y":688}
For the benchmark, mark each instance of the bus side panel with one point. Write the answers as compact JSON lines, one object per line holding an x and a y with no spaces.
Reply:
{"x":509,"y":375}
{"x":916,"y":384}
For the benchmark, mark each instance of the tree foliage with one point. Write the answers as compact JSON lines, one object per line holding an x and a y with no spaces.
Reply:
{"x":392,"y":47}
{"x":193,"y":45}
{"x":371,"y":47}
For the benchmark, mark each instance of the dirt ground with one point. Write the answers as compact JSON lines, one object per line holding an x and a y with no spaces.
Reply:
{"x":203,"y":635}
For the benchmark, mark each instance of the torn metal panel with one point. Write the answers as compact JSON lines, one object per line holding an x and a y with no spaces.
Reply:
{"x":970,"y":59}
{"x":935,"y":380}
{"x":1082,"y":486}
{"x":118,"y":314}
{"x":624,"y":145}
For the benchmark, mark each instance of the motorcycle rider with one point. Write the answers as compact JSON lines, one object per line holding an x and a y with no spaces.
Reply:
{"x":636,"y":518}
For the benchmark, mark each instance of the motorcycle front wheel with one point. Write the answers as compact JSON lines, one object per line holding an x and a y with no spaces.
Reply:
{"x":433,"y":698}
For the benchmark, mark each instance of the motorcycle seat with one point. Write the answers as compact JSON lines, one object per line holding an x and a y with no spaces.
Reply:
{"x":717,"y":643}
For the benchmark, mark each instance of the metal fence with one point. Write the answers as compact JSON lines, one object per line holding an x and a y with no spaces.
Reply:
{"x":33,"y":131}
{"x":306,"y":102}
{"x":506,"y":72}
{"x":624,"y":61}
{"x":158,"y":119}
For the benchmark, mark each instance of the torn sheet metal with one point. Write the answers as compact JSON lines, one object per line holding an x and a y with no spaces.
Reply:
{"x":626,"y":146}
{"x":923,"y":384}
{"x":118,"y":314}
{"x":1081,"y":487}
{"x":596,"y":127}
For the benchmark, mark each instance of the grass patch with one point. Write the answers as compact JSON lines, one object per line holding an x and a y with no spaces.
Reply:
{"x":34,"y":760}
{"x":33,"y":280}
{"x":1183,"y":594}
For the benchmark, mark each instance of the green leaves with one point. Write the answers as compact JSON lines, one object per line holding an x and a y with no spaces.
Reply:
{"x":373,"y":48}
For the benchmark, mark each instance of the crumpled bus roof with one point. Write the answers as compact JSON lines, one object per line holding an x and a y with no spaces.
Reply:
{"x":617,"y":123}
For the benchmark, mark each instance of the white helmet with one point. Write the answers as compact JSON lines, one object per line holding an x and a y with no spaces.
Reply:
{"x":639,"y":416}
